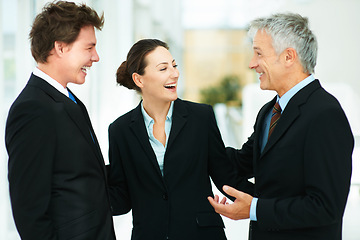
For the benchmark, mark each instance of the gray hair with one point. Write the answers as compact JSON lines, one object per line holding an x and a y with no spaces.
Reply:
{"x":289,"y":30}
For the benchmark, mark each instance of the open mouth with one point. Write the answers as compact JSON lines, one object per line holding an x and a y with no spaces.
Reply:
{"x":85,"y":69}
{"x":170,"y":86}
{"x":260,"y":74}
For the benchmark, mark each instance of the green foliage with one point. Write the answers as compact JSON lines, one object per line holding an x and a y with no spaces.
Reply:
{"x":226,"y":91}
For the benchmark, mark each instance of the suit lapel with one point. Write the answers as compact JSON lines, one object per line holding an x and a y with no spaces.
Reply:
{"x":290,"y":114}
{"x":178,"y":122}
{"x":137,"y":126}
{"x":259,"y":126}
{"x":77,"y":113}
{"x":81,"y":117}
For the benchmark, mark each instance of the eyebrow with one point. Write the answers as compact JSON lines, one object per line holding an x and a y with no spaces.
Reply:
{"x":165,"y":62}
{"x":91,"y":44}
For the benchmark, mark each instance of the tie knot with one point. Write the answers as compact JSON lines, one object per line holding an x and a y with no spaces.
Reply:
{"x":277,"y":108}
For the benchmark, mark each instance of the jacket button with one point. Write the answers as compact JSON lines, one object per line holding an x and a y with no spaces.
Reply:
{"x":165,"y":197}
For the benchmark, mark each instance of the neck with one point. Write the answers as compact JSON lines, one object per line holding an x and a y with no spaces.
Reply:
{"x":291,"y":81}
{"x":157,"y":110}
{"x":52,"y":72}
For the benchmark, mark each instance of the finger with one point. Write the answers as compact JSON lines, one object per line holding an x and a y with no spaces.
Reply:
{"x":216,"y":198}
{"x":223,"y":201}
{"x":232,"y":191}
{"x":212,"y":201}
{"x":219,"y":208}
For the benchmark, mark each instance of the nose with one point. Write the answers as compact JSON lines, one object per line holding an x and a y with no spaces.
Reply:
{"x":253,"y":64}
{"x":95,"y":56}
{"x":175,"y":73}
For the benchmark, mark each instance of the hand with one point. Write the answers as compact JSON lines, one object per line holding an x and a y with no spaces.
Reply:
{"x":240,"y":209}
{"x":216,"y":199}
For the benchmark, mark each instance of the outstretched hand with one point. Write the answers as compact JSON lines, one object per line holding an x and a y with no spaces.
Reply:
{"x":240,"y":209}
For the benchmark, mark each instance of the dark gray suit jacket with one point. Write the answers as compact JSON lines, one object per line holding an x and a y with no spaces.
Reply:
{"x":56,"y":174}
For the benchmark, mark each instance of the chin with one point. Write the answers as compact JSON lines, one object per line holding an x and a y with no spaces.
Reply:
{"x":80,"y":81}
{"x":174,"y":97}
{"x":263,"y":86}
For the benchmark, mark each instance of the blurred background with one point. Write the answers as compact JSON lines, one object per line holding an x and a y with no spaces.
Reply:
{"x":208,"y":40}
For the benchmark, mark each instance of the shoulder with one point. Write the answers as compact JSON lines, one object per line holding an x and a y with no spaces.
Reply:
{"x":313,"y":99}
{"x":126,"y":118}
{"x":192,"y":107}
{"x":32,"y":102}
{"x":323,"y":100}
{"x":30,"y":114}
{"x":321,"y":109}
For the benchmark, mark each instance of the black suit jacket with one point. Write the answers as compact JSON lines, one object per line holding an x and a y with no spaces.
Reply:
{"x":56,"y":174}
{"x":173,"y":206}
{"x":302,"y":177}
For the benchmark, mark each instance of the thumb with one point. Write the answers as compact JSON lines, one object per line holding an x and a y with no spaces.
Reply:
{"x":232,"y":191}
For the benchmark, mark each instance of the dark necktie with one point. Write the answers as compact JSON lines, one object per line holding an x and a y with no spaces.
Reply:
{"x":275,"y":115}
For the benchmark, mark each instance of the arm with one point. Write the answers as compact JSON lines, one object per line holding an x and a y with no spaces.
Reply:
{"x":118,"y":189}
{"x":31,"y":143}
{"x":221,"y":168}
{"x":242,"y":158}
{"x":243,"y":202}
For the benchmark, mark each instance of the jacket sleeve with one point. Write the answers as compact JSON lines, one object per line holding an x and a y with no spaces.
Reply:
{"x":242,"y":159}
{"x":118,"y":189}
{"x":221,"y":168}
{"x":30,"y":142}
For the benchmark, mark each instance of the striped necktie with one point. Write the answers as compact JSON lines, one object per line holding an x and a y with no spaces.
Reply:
{"x":275,"y":116}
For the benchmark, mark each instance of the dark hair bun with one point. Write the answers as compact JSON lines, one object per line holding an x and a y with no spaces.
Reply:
{"x":135,"y":62}
{"x":123,"y":77}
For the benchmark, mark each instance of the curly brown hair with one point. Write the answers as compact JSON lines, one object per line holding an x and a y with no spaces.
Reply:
{"x":60,"y":21}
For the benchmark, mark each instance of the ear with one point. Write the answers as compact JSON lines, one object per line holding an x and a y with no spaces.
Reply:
{"x":290,"y":55}
{"x":137,"y":78}
{"x":59,"y":48}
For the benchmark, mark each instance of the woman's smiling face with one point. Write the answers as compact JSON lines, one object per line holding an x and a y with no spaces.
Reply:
{"x":161,"y":75}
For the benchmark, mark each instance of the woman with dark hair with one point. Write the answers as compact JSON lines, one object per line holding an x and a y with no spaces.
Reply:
{"x":163,"y":153}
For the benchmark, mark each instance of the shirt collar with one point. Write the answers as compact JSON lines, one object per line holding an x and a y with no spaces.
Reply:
{"x":148,"y":120}
{"x":284,"y":100}
{"x":51,"y":81}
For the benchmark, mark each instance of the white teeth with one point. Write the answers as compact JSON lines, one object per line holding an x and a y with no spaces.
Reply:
{"x":170,"y":85}
{"x":85,"y":69}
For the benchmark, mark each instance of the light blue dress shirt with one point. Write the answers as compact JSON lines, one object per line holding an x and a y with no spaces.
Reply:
{"x":283,"y":101}
{"x":158,"y":148}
